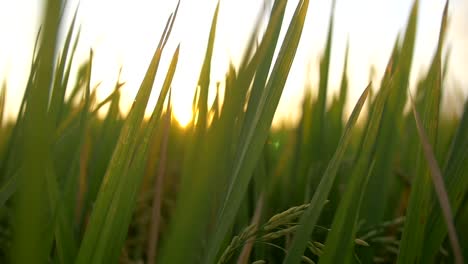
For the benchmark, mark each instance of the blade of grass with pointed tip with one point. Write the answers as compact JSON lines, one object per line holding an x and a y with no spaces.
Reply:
{"x":456,"y":180}
{"x":119,"y":215}
{"x":439,"y":186}
{"x":153,"y":235}
{"x":340,"y":240}
{"x":106,"y":140}
{"x":109,"y":98}
{"x":379,"y":185}
{"x":204,"y":80}
{"x":2,"y":102}
{"x":58,"y":93}
{"x":419,"y":203}
{"x":267,"y":47}
{"x":256,"y":128}
{"x":9,"y":164}
{"x":31,"y":208}
{"x":196,"y":187}
{"x":318,"y":134}
{"x":66,"y":198}
{"x":309,"y":219}
{"x":120,"y":162}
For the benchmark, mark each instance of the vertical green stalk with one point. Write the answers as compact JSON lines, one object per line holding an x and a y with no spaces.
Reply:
{"x":31,"y":205}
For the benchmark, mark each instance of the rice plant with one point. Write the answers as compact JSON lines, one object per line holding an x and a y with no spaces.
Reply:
{"x":76,"y":187}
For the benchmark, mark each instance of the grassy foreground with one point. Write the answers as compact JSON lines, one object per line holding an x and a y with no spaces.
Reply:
{"x":77,"y":188}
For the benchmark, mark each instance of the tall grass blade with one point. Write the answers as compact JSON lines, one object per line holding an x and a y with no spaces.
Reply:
{"x":421,"y":192}
{"x":191,"y":213}
{"x":439,"y":186}
{"x":31,"y":204}
{"x":58,"y":93}
{"x":97,"y":243}
{"x":153,"y":236}
{"x":382,"y":180}
{"x":456,"y":182}
{"x":309,"y":218}
{"x":340,"y":240}
{"x":256,"y":131}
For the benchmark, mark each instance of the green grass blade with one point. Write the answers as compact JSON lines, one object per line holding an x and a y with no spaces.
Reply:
{"x":119,"y":215}
{"x":419,"y":204}
{"x":31,"y":211}
{"x":104,"y":146}
{"x":59,"y":88}
{"x":439,"y":186}
{"x":9,"y":164}
{"x":256,"y":131}
{"x":340,"y":240}
{"x":119,"y":163}
{"x":381,"y":181}
{"x":153,"y":235}
{"x":265,"y":52}
{"x":456,"y":180}
{"x":8,"y":189}
{"x":309,"y":218}
{"x":318,"y":134}
{"x":192,"y":211}
{"x":204,"y":80}
{"x":344,"y":82}
{"x":2,"y":102}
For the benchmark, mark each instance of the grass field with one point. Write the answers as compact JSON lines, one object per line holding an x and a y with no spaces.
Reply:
{"x":76,"y":187}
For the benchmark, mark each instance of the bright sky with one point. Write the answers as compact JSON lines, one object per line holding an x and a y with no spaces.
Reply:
{"x":126,"y":33}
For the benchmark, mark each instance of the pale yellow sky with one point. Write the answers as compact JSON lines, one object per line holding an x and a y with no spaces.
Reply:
{"x":126,"y":33}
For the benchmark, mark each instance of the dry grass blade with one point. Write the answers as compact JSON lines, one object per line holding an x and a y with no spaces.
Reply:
{"x":439,"y":186}
{"x":247,"y":249}
{"x":158,"y":189}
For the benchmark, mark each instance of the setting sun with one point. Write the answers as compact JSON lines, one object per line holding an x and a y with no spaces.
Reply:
{"x":182,"y":114}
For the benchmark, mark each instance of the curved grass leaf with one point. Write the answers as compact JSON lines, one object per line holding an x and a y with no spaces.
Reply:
{"x":31,"y":211}
{"x":96,"y":242}
{"x":441,"y":192}
{"x":417,"y":214}
{"x":309,"y":218}
{"x":456,"y":180}
{"x":255,"y":129}
{"x":340,"y":240}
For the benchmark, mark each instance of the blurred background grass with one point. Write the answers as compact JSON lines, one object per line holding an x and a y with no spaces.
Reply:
{"x":124,"y":38}
{"x":148,"y":164}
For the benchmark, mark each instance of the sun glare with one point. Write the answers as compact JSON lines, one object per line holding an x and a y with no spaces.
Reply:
{"x":183,"y":115}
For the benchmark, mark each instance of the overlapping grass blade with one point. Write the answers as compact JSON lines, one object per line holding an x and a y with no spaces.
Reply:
{"x":153,"y":236}
{"x":31,"y":207}
{"x":419,"y":204}
{"x":127,"y":190}
{"x":58,"y":93}
{"x":97,"y":241}
{"x":456,"y":182}
{"x":100,"y":156}
{"x":381,"y":182}
{"x":318,"y":133}
{"x":340,"y":240}
{"x":441,"y":192}
{"x":2,"y":102}
{"x":196,"y":191}
{"x":255,"y":129}
{"x":9,"y":165}
{"x":309,"y":218}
